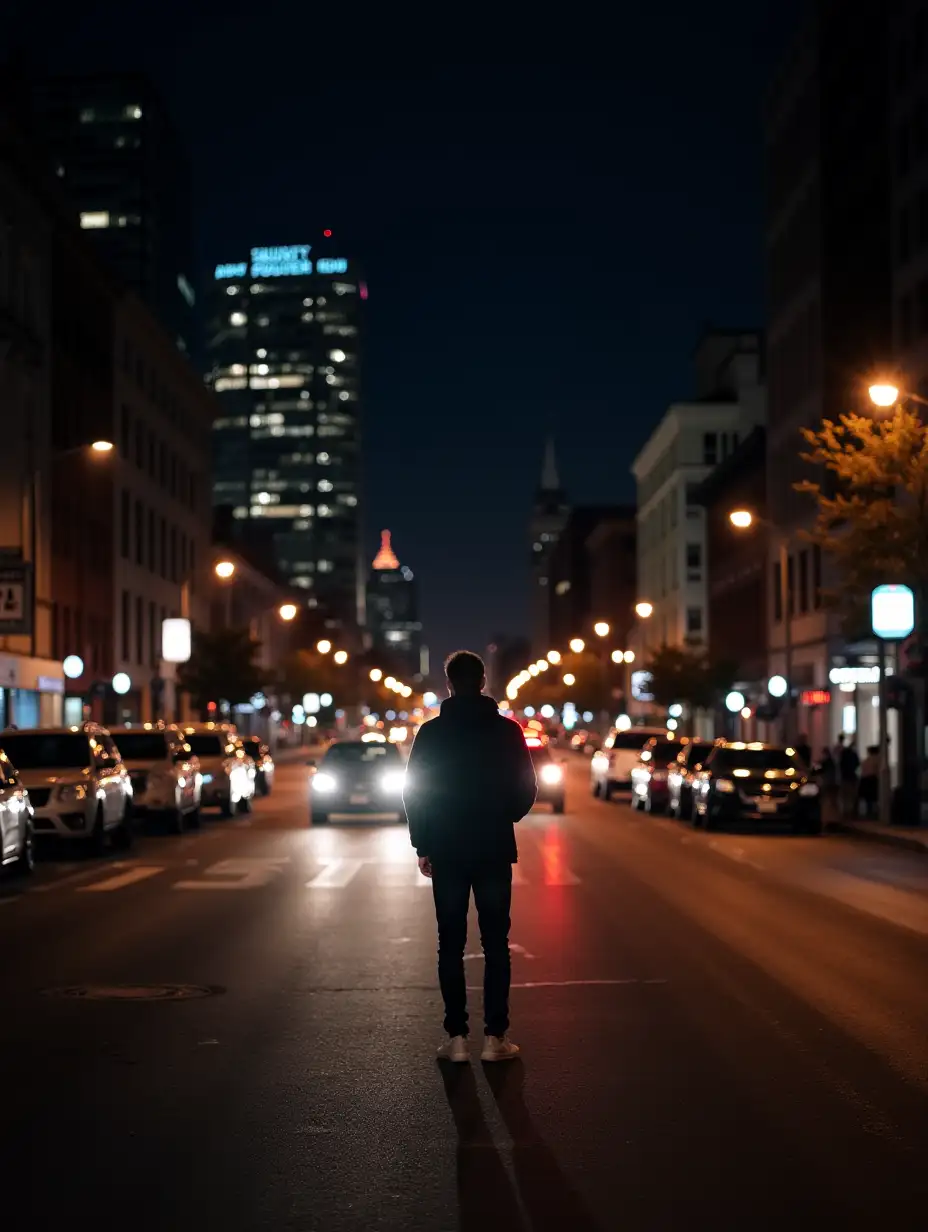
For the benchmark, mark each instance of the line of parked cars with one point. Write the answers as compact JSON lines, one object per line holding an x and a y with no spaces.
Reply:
{"x":96,"y":784}
{"x":710,"y":783}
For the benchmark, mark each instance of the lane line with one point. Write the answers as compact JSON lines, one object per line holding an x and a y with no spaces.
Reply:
{"x":121,"y":880}
{"x":72,"y":878}
{"x":337,"y":874}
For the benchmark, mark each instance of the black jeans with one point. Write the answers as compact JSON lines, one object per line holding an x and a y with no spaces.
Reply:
{"x":492,"y":887}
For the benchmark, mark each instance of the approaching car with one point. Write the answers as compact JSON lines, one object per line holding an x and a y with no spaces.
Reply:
{"x":260,"y":754}
{"x":164,"y":773}
{"x":549,"y":774}
{"x":682,"y":775}
{"x":17,"y":843}
{"x":77,"y":783}
{"x":756,"y":782}
{"x":357,"y":780}
{"x":649,"y":775}
{"x":228,"y":774}
{"x":611,"y":767}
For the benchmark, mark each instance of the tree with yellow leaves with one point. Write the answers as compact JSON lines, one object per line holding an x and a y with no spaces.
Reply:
{"x":873,"y":504}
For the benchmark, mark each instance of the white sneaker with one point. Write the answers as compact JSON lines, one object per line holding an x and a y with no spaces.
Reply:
{"x":499,"y":1048}
{"x":455,"y":1049}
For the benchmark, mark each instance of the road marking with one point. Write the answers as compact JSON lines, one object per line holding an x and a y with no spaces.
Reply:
{"x":244,"y":873}
{"x":336,"y":874}
{"x":129,"y":877}
{"x":514,"y":948}
{"x":738,"y":854}
{"x":75,"y":877}
{"x":572,"y":984}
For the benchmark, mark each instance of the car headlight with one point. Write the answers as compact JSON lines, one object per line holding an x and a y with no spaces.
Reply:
{"x":809,"y":789}
{"x":550,"y":774}
{"x":726,"y":786}
{"x":323,"y":782}
{"x":393,"y":781}
{"x":71,"y":793}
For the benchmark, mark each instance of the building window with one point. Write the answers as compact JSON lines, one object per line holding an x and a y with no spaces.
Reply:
{"x":125,"y":430}
{"x":693,"y":621}
{"x":140,"y":445}
{"x":94,"y":220}
{"x":139,"y":534}
{"x":777,"y":591}
{"x":803,"y":581}
{"x":125,"y":614}
{"x":710,"y":447}
{"x":125,"y":533}
{"x":153,"y":656}
{"x":694,"y":556}
{"x":163,"y":530}
{"x":816,"y":576}
{"x":152,"y":545}
{"x":905,"y":232}
{"x":173,"y":553}
{"x":152,"y":456}
{"x":139,"y":630}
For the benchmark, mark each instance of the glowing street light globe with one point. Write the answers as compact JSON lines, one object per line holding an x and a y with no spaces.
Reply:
{"x":777,"y":686}
{"x":577,"y":644}
{"x":883,"y":395}
{"x":73,"y":666}
{"x":121,"y":683}
{"x":734,"y":702}
{"x":741,"y":518}
{"x":340,"y":656}
{"x":554,"y":656}
{"x":601,"y":628}
{"x":570,"y":679}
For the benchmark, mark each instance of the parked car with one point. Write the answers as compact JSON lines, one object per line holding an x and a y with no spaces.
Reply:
{"x":756,"y":782}
{"x":165,"y":774}
{"x":649,"y":775}
{"x":77,"y":783}
{"x":227,"y":772}
{"x":17,"y":842}
{"x":260,"y":754}
{"x":611,"y":767}
{"x":682,"y":775}
{"x":549,"y":773}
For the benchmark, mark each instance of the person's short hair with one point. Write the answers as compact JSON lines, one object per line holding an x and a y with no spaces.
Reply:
{"x":465,"y":671}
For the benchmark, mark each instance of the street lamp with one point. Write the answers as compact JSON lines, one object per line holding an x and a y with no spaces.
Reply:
{"x":644,"y":609}
{"x":601,"y":628}
{"x":883,"y":394}
{"x":618,"y":656}
{"x":340,"y":656}
{"x":224,"y":569}
{"x":324,"y":646}
{"x":570,"y":679}
{"x":577,"y":644}
{"x":287,"y":611}
{"x":554,"y":656}
{"x":376,"y":674}
{"x":743,"y":519}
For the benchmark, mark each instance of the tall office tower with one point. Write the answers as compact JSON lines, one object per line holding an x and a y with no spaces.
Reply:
{"x":549,"y":517}
{"x":283,"y":346}
{"x":121,"y":161}
{"x":393,"y":612}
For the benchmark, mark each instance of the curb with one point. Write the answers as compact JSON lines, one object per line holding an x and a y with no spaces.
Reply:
{"x":908,"y":842}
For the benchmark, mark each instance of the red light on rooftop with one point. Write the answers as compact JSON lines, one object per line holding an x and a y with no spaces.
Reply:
{"x":386,"y":557}
{"x":327,"y":234}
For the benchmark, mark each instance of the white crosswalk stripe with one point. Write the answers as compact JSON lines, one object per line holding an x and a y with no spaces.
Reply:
{"x":121,"y":880}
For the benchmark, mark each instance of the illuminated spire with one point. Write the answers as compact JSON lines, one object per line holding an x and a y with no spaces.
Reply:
{"x":386,"y":557}
{"x":550,"y":480}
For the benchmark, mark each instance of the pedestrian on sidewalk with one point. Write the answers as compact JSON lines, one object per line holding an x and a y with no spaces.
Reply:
{"x":869,"y":789}
{"x":469,"y":779}
{"x":804,"y":750}
{"x":848,"y":765}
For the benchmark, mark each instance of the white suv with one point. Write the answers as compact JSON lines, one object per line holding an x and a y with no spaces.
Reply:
{"x":165,"y":775}
{"x":611,"y":767}
{"x":228,"y":772}
{"x":77,"y":783}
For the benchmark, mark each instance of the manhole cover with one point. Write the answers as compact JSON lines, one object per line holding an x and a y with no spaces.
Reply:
{"x":134,"y":992}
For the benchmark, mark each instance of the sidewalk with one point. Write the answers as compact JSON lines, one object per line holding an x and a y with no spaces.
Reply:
{"x":913,"y":838}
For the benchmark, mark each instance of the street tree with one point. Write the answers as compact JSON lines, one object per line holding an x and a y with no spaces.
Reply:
{"x":687,"y":675}
{"x":222,"y":667}
{"x":872,"y":503}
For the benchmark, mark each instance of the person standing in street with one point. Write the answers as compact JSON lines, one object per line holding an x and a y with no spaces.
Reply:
{"x":848,"y":765}
{"x":469,"y":780}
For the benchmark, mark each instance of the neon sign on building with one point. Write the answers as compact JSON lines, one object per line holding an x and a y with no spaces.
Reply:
{"x":283,"y":262}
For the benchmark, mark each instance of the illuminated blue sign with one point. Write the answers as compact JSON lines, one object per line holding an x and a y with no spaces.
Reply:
{"x":282,"y":262}
{"x":892,"y":612}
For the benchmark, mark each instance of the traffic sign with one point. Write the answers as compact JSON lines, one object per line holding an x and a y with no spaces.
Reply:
{"x":16,"y":598}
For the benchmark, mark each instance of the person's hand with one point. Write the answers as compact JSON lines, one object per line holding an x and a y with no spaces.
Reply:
{"x":425,"y":866}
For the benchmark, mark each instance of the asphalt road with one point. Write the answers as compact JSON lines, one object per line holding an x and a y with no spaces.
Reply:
{"x":726,"y":1031}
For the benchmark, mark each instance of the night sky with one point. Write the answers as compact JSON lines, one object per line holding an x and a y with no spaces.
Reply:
{"x":544,"y":237}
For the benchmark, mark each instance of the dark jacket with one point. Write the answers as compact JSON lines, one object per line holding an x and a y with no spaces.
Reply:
{"x":469,"y":779}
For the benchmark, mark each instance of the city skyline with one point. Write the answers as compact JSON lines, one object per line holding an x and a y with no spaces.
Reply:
{"x":522,"y":281}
